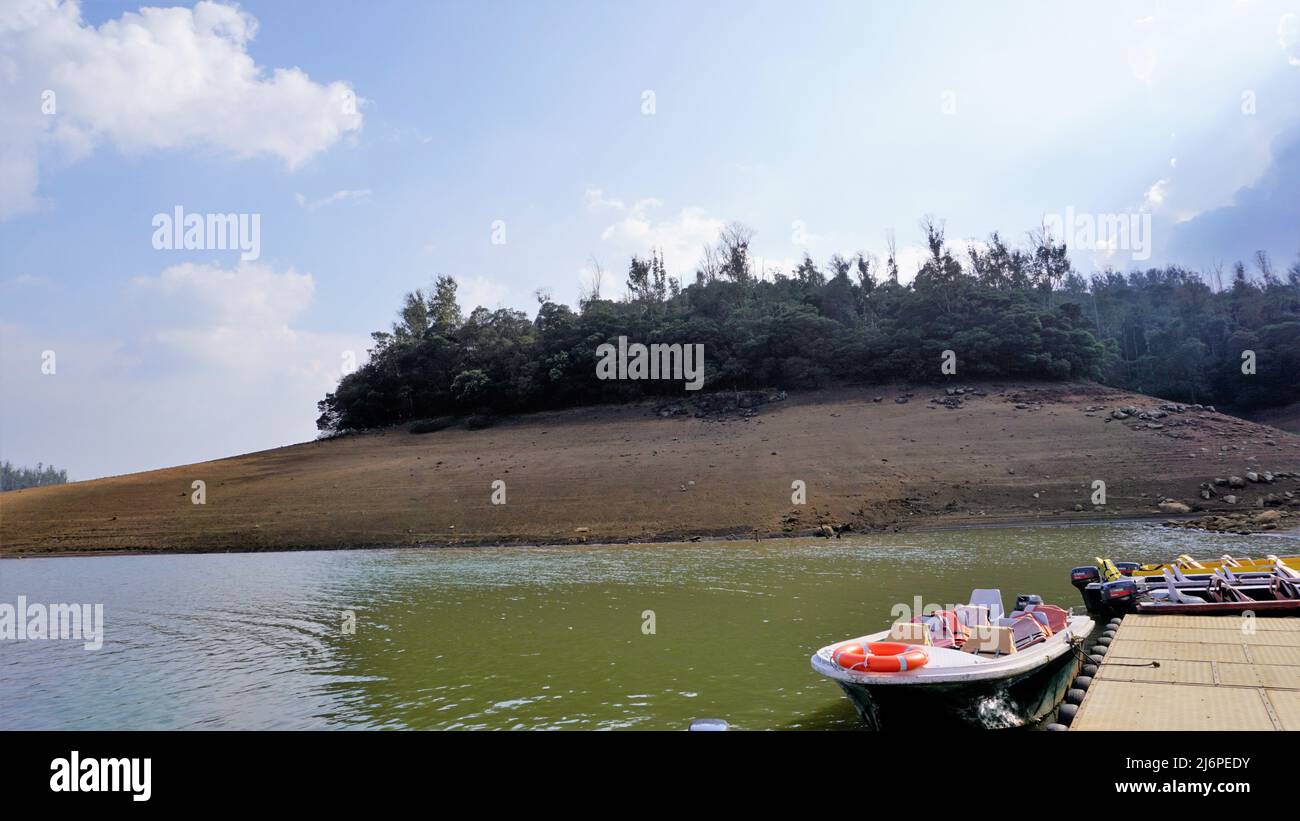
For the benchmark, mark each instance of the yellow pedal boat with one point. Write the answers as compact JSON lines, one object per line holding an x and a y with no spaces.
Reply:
{"x":1192,"y":566}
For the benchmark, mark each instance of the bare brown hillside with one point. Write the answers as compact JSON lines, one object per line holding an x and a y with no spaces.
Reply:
{"x":996,"y":453}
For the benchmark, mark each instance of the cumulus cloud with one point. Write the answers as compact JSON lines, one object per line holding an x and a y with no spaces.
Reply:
{"x":205,"y":346}
{"x":159,"y":78}
{"x":680,"y":237}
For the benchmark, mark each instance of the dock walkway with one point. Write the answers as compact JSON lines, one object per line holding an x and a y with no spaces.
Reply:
{"x":1214,"y":673}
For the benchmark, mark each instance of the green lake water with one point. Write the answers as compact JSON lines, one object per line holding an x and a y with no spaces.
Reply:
{"x":514,"y":638}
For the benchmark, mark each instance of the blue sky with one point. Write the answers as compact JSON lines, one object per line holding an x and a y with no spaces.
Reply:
{"x":822,"y":126}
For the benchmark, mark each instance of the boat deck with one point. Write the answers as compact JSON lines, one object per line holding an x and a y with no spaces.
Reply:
{"x":1214,"y":673}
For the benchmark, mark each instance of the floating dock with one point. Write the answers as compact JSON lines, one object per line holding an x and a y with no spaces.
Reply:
{"x":1197,"y":673}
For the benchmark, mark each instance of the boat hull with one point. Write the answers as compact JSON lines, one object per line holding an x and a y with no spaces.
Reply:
{"x":997,"y":703}
{"x":1286,"y":607}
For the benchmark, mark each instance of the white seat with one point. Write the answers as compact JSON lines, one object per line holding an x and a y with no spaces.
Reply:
{"x":1175,"y":595}
{"x":991,"y":599}
{"x":972,"y":615}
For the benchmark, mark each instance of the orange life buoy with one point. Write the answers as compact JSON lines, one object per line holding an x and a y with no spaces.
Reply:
{"x":880,"y":656}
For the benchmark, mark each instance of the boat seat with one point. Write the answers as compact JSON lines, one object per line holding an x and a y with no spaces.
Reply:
{"x":1057,"y":618}
{"x":991,"y":639}
{"x":1027,"y":630}
{"x":1177,"y":596}
{"x":1284,"y":570}
{"x":910,"y":632}
{"x":972,"y":615}
{"x":990,"y":598}
{"x":1041,"y":618}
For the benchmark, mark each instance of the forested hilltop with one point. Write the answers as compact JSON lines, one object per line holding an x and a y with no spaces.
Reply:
{"x":1005,"y":312}
{"x":13,"y":477}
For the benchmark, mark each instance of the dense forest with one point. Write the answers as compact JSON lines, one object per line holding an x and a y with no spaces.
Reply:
{"x":16,"y":478}
{"x":1004,"y":311}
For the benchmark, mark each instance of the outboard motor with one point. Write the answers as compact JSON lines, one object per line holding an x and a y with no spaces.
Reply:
{"x":1081,"y":577}
{"x":1127,"y":568}
{"x":1025,"y":599}
{"x":1119,"y":597}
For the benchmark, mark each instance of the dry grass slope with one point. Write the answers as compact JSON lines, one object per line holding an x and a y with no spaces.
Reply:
{"x":1015,"y":453}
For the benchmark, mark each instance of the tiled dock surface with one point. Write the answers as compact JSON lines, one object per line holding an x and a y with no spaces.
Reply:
{"x":1215,"y":673}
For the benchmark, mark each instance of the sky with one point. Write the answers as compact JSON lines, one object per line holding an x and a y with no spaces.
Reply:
{"x":521,"y":146}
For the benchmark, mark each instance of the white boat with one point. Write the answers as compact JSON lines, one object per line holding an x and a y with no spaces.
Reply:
{"x":975,"y":664}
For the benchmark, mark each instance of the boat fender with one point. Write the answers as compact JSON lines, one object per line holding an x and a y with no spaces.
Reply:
{"x":1104,"y":641}
{"x":1075,"y":696}
{"x":1095,"y":659}
{"x":1056,"y":728}
{"x":1083,"y":682}
{"x":1066,"y":713}
{"x":1115,"y":622}
{"x":1090,"y":669}
{"x":1098,"y":650}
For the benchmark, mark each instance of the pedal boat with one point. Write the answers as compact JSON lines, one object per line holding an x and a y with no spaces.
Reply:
{"x":1115,"y":588}
{"x":981,"y":668}
{"x":1222,"y":593}
{"x":1187,"y":564}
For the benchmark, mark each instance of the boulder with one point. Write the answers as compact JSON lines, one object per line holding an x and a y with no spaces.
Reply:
{"x":1173,"y":506}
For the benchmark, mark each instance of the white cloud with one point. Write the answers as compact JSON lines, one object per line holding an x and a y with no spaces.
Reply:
{"x":206,"y":346}
{"x":337,"y":196}
{"x":681,"y":238}
{"x":473,"y":292}
{"x":1156,"y":195}
{"x":252,"y":296}
{"x":155,"y":79}
{"x":596,"y":200}
{"x":1288,"y":30}
{"x":1288,"y":36}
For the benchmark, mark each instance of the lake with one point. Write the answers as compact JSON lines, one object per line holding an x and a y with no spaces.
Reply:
{"x":515,"y":638}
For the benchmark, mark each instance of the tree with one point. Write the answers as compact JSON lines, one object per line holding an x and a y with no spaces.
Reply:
{"x":443,"y":310}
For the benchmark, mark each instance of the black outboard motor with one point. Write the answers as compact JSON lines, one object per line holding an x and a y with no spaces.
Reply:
{"x":1025,"y":599}
{"x":1119,"y":597}
{"x":1081,"y":577}
{"x":1127,"y":568}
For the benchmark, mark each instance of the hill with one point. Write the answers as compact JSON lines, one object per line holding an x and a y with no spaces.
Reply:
{"x":893,"y":457}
